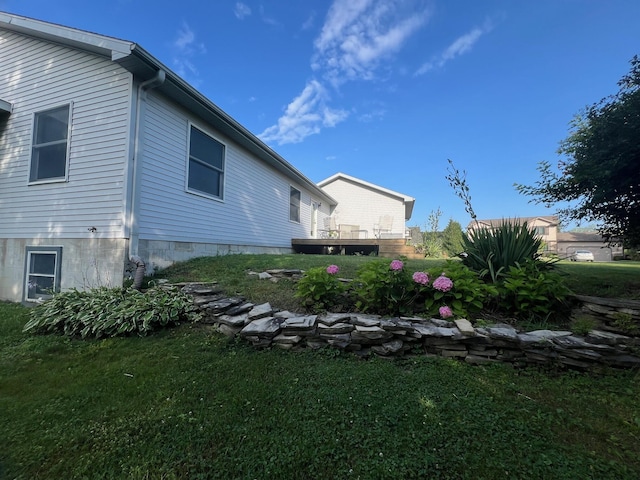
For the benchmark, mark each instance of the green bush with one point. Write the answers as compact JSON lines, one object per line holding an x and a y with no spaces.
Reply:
{"x":320,"y":288}
{"x":384,"y":288}
{"x":469,"y":293}
{"x":530,"y":289}
{"x":110,"y":312}
{"x":491,"y":252}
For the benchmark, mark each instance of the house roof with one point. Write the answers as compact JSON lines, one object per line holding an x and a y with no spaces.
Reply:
{"x":580,"y":237}
{"x":409,"y":202}
{"x":145,"y":66}
{"x":551,"y":220}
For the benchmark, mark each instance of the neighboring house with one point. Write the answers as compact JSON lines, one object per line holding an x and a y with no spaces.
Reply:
{"x":106,"y":154}
{"x":365,"y":205}
{"x":564,"y":244}
{"x":545,"y":226}
{"x":569,"y":242}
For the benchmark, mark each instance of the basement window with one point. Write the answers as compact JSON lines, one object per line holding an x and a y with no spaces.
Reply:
{"x":42,"y":273}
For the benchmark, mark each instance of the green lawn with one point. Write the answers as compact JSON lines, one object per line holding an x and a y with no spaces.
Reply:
{"x":188,"y":403}
{"x":612,"y":279}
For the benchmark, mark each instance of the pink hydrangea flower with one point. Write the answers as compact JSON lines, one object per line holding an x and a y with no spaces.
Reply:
{"x":442,"y":283}
{"x":445,"y":312}
{"x":396,"y":265}
{"x":332,"y":269}
{"x":421,"y":278}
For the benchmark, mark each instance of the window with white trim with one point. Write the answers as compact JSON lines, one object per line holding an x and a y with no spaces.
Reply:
{"x":42,"y":273}
{"x":294,"y":204}
{"x":206,"y":164}
{"x":49,"y":145}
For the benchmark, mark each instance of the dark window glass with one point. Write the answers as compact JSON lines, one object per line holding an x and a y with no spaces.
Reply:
{"x":206,"y":164}
{"x":49,"y":150}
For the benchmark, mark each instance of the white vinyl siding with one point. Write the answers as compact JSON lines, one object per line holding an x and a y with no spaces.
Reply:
{"x":37,"y":76}
{"x":255,"y":210}
{"x":363,"y":206}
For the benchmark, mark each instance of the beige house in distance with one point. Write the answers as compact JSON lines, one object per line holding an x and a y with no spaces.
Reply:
{"x":545,"y":226}
{"x":564,"y":244}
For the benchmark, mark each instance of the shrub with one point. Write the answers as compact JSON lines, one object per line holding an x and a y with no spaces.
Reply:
{"x":468,"y":293}
{"x":531,"y":289}
{"x":384,"y":288}
{"x":491,"y":252}
{"x":109,"y":312}
{"x":320,"y":288}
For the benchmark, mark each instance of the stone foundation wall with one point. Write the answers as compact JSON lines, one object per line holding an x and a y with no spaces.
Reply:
{"x":364,"y":335}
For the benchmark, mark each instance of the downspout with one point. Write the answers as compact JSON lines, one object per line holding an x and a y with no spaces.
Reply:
{"x":154,"y":82}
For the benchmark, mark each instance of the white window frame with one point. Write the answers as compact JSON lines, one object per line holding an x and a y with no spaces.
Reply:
{"x":34,"y":120}
{"x":291,"y":205}
{"x":222,"y":171}
{"x":56,"y":275}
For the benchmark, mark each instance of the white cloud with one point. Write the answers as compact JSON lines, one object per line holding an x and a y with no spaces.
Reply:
{"x":358,"y":35}
{"x":355,"y":40}
{"x":241,"y":10}
{"x":185,"y":47}
{"x":460,"y":46}
{"x":309,"y":22}
{"x":304,"y":116}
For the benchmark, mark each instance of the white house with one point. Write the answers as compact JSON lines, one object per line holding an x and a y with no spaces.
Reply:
{"x":106,"y":154}
{"x":374,"y":210}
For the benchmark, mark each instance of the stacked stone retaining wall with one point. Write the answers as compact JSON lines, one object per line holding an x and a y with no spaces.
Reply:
{"x":263,"y":326}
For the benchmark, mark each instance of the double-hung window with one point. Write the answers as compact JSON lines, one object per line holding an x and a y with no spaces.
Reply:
{"x":42,"y":277}
{"x":49,"y":146}
{"x":294,"y":204}
{"x":206,"y":164}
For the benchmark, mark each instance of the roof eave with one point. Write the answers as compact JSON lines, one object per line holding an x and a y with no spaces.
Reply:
{"x":184,"y":94}
{"x":144,"y":66}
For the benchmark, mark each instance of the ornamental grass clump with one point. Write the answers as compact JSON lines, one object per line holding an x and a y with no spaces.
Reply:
{"x":492,"y":251}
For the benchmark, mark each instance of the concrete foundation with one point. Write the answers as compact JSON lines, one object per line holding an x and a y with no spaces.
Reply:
{"x":85,"y":263}
{"x":159,"y":254}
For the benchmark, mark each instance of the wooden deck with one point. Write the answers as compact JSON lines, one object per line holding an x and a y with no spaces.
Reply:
{"x":382,"y":247}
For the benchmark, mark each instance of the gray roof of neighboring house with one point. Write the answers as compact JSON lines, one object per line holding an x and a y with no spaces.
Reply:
{"x":144,"y":66}
{"x":580,"y":237}
{"x":409,"y":202}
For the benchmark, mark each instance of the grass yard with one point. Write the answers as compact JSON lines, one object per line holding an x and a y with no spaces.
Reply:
{"x":188,"y":403}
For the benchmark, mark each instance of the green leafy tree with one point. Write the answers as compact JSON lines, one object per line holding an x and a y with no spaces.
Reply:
{"x":599,"y":174}
{"x":452,"y":238}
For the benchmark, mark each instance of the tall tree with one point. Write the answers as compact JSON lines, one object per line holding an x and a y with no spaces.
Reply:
{"x":452,"y":238}
{"x":599,"y":174}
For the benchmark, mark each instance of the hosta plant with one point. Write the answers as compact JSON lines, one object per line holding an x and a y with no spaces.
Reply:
{"x":531,"y":290}
{"x":109,"y":312}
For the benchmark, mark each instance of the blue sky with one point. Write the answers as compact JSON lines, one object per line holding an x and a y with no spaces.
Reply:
{"x":388,"y":90}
